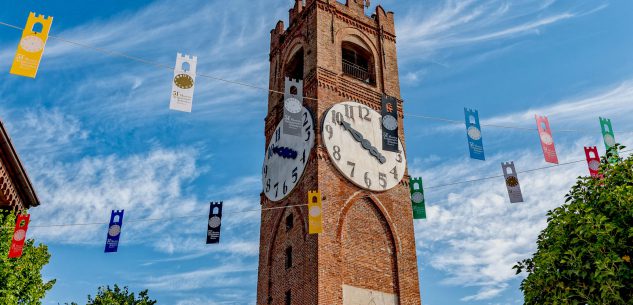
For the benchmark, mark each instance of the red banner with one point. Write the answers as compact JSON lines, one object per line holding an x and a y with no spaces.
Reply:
{"x":19,"y":236}
{"x":593,"y":161}
{"x":547,"y":141}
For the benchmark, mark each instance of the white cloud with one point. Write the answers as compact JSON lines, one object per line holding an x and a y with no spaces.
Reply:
{"x":224,"y":275}
{"x":474,"y":235}
{"x":426,"y":31}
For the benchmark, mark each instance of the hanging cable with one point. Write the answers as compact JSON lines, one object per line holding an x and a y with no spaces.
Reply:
{"x":252,"y":86}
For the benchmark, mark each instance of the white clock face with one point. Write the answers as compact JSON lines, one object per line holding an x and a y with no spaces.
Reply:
{"x":546,"y":138}
{"x":609,"y":140}
{"x":286,"y":158}
{"x":19,"y":235}
{"x":474,"y":133}
{"x":352,"y":134}
{"x":293,"y":105}
{"x":114,"y":230}
{"x":32,"y":44}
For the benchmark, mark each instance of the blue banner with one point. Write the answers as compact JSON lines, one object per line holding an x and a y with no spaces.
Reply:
{"x":114,"y":231}
{"x":215,"y":223}
{"x":473,"y":132}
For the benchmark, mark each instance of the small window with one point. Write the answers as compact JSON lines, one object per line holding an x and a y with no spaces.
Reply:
{"x":288,"y":257}
{"x":288,"y":297}
{"x":289,"y":222}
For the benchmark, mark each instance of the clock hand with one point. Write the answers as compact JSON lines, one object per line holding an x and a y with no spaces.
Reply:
{"x":364,"y":142}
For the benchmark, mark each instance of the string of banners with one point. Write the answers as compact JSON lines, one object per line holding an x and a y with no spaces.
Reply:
{"x":314,"y":204}
{"x":214,"y":225}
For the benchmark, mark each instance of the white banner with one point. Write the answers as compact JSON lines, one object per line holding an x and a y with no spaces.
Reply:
{"x":183,"y":83}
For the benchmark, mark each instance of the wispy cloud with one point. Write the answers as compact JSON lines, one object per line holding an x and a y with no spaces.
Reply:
{"x":453,"y":25}
{"x":473,"y":234}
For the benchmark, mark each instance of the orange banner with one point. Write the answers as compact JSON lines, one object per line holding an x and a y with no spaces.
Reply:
{"x":31,"y":46}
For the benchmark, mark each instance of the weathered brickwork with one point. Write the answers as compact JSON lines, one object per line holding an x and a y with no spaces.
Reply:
{"x":368,"y":239}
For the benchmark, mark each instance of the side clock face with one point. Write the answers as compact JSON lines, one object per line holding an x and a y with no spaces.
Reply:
{"x":286,"y":158}
{"x":352,"y":134}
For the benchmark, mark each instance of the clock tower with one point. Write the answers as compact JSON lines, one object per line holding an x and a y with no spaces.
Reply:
{"x":342,"y":62}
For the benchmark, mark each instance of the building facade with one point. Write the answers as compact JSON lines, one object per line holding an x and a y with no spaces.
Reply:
{"x":16,"y":190}
{"x":366,"y":253}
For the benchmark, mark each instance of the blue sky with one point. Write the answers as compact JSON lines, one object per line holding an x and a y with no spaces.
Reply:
{"x":95,"y":134}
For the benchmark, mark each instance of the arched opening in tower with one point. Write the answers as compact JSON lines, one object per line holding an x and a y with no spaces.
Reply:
{"x":357,"y":62}
{"x":294,"y":67}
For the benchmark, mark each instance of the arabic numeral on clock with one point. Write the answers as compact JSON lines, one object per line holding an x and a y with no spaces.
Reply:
{"x":308,"y":134}
{"x":394,"y":171}
{"x":295,"y":176}
{"x":285,"y":188}
{"x":329,"y":130}
{"x":367,"y":180}
{"x":305,"y":118}
{"x":399,"y":157}
{"x":267,"y":185}
{"x":382,"y":180}
{"x":303,"y":158}
{"x":265,"y":171}
{"x":337,"y":153}
{"x":353,"y":165}
{"x":276,"y":186}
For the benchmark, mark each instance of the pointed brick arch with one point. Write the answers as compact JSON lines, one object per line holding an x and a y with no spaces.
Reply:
{"x":369,"y":245}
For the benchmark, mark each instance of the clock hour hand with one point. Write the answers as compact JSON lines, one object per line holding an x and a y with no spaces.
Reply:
{"x":364,"y":142}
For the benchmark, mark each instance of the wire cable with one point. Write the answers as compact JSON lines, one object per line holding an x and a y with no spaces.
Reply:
{"x":252,"y":86}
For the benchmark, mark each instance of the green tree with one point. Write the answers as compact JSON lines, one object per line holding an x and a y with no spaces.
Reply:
{"x":21,"y":278}
{"x":117,"y":296}
{"x":584,"y":253}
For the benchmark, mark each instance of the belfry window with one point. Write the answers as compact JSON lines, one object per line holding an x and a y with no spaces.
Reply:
{"x":294,"y":67}
{"x":358,"y":63}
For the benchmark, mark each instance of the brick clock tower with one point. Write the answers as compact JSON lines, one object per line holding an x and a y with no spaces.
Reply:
{"x":365,"y":254}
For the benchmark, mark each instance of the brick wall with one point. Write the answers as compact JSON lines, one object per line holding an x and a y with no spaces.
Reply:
{"x":368,"y":239}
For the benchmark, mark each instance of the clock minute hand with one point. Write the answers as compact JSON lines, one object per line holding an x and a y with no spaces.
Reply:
{"x":364,"y":142}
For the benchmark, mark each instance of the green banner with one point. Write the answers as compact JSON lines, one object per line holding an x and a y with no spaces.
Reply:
{"x":417,"y":198}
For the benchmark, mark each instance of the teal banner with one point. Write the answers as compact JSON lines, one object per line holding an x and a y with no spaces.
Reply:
{"x":417,"y":198}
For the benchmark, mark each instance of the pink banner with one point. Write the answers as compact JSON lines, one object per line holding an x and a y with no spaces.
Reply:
{"x":547,"y":141}
{"x":593,"y":161}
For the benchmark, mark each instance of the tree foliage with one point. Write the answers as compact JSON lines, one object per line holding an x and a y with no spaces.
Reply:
{"x":20,"y":278}
{"x":584,"y":254}
{"x":109,"y":296}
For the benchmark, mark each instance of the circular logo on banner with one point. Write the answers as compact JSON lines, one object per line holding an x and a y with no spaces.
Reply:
{"x":19,"y":235}
{"x":32,"y":44}
{"x":609,"y":140}
{"x":315,"y":211}
{"x":474,"y":133}
{"x":183,"y":81}
{"x":512,"y":181}
{"x":594,"y":165}
{"x":417,"y":197}
{"x":114,"y":230}
{"x":214,"y":222}
{"x":389,"y":122}
{"x":293,"y":105}
{"x":547,"y":138}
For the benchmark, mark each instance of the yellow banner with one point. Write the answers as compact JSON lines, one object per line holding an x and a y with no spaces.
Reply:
{"x":31,"y":46}
{"x":315,"y":219}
